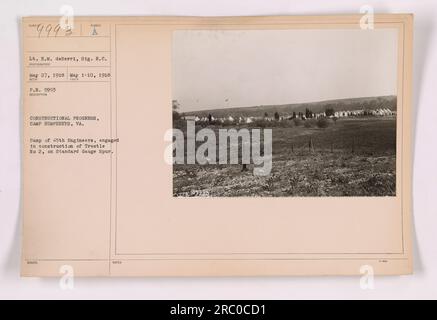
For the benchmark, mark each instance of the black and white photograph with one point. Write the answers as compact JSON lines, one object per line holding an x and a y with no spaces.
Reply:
{"x":304,"y":112}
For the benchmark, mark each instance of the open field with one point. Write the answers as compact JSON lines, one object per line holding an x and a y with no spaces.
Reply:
{"x":367,"y":103}
{"x":351,"y":157}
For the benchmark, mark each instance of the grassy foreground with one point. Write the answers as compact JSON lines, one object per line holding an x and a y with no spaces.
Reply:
{"x":352,"y":157}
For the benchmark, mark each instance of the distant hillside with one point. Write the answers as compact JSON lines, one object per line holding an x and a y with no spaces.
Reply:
{"x":367,"y":103}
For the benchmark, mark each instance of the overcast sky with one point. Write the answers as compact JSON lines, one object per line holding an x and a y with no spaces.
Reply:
{"x":220,"y":69}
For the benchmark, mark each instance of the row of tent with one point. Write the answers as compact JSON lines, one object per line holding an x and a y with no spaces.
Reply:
{"x":338,"y":114}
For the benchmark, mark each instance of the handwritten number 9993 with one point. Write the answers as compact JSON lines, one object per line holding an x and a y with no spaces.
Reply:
{"x":48,"y":30}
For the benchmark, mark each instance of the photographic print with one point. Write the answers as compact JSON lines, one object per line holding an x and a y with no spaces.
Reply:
{"x":284,"y":113}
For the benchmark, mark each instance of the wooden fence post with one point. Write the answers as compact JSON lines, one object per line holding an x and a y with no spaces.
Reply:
{"x":310,"y":145}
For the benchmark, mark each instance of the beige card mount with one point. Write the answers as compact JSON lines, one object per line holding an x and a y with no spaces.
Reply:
{"x":325,"y":190}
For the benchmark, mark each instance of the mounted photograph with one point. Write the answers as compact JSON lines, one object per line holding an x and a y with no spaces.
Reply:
{"x":284,"y":113}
